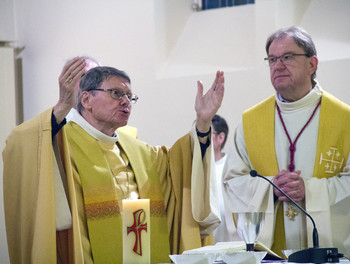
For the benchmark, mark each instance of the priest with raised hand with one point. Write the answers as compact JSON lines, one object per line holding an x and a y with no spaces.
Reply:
{"x":64,"y":182}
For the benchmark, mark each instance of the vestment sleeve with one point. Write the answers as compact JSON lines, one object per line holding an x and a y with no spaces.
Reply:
{"x":56,"y":127}
{"x":191,"y":200}
{"x":241,"y":192}
{"x":204,"y":197}
{"x":29,"y":200}
{"x":329,"y":199}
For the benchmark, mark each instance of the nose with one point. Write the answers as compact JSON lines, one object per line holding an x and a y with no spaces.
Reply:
{"x":125,"y":99}
{"x":279,"y":63}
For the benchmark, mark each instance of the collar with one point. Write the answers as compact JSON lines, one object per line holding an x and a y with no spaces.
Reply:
{"x":309,"y":100}
{"x":92,"y":131}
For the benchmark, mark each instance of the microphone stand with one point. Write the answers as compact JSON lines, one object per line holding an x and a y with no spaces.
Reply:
{"x":310,"y":255}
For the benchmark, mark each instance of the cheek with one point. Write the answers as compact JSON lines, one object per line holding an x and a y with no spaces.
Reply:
{"x":272,"y":73}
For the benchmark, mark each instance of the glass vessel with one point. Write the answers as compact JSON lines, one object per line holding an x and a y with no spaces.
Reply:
{"x":249,"y":225}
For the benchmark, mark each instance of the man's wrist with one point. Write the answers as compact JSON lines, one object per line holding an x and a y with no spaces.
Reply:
{"x":56,"y":127}
{"x":201,"y":134}
{"x":60,"y":110}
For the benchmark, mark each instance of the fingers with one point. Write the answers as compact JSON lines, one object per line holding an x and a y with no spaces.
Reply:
{"x":284,"y":177}
{"x":280,"y":174}
{"x":199,"y":88}
{"x":295,"y":195}
{"x":69,"y":64}
{"x":215,"y":83}
{"x":291,"y":183}
{"x":72,"y":71}
{"x":218,"y":88}
{"x":207,"y":104}
{"x":219,"y":80}
{"x":75,"y":71}
{"x":295,"y":190}
{"x":221,"y":83}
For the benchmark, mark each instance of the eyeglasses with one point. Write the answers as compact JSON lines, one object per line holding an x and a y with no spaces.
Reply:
{"x":286,"y":59}
{"x":118,"y":94}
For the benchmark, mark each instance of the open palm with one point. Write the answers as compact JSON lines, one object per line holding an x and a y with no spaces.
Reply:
{"x":208,"y":104}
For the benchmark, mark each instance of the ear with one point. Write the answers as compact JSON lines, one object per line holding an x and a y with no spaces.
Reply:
{"x":86,"y":100}
{"x":221,"y":137}
{"x":313,"y":64}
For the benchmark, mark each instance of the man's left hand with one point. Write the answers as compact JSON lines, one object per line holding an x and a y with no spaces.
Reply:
{"x":208,"y":104}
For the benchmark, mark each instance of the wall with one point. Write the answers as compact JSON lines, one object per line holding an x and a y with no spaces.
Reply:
{"x":7,"y":21}
{"x":166,"y":48}
{"x":233,"y":39}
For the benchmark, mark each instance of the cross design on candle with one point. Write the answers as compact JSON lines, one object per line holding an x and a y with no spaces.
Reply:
{"x":137,"y":227}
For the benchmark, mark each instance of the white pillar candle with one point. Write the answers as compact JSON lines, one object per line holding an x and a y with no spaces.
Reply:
{"x":136,"y":231}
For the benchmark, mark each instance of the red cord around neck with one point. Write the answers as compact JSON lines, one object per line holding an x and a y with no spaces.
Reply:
{"x":292,"y":145}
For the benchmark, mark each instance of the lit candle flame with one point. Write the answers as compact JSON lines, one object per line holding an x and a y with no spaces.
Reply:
{"x":133,"y":196}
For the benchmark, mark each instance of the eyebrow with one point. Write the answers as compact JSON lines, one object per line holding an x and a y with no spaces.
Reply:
{"x":288,"y":52}
{"x":128,"y":91}
{"x":118,"y":88}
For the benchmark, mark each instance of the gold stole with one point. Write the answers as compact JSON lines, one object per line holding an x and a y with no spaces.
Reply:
{"x":100,"y":200}
{"x":333,"y":144}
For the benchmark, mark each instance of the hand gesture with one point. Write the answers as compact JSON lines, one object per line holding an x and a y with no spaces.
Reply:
{"x":69,"y":87}
{"x":208,"y":104}
{"x":291,"y":183}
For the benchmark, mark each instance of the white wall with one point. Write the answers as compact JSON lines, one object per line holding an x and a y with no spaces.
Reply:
{"x":233,"y":39}
{"x":166,"y":48}
{"x":7,"y":21}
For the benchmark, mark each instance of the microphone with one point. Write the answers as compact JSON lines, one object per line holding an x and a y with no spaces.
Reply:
{"x":310,"y":255}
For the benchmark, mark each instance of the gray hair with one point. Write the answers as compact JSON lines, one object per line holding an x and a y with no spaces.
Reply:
{"x":301,"y":38}
{"x":95,"y":77}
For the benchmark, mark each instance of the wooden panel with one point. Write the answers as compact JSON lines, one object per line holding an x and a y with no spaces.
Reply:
{"x":7,"y":121}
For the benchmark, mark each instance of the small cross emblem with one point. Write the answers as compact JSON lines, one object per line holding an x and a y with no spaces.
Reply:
{"x":333,"y":160}
{"x":291,"y":212}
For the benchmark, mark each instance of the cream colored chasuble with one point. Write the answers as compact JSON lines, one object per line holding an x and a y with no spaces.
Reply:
{"x":313,"y":156}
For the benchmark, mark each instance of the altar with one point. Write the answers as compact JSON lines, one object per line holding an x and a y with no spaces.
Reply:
{"x":233,"y":253}
{"x":342,"y":261}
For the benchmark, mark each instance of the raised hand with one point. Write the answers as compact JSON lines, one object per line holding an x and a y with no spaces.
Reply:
{"x":208,"y":104}
{"x":69,"y":87}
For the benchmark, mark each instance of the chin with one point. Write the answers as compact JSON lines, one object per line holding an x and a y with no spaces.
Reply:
{"x":124,"y":123}
{"x":281,"y":88}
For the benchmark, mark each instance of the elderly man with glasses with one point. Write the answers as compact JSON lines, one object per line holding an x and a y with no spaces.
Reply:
{"x":67,"y":202}
{"x":299,"y":138}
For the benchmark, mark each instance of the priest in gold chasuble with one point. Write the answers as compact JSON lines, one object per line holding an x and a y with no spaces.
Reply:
{"x":63,"y":183}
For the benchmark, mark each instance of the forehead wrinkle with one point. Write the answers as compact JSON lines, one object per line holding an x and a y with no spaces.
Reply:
{"x":287,"y":42}
{"x":122,"y":82}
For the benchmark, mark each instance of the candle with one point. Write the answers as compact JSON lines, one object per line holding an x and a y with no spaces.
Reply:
{"x":136,"y":231}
